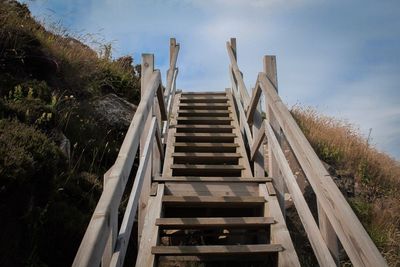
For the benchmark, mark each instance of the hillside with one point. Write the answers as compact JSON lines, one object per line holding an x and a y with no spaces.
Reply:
{"x":54,"y":142}
{"x":64,"y":110}
{"x":368,"y":178}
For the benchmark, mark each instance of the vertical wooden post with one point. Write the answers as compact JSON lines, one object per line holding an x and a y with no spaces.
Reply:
{"x":234,"y":49}
{"x":147,"y":70}
{"x":113,"y":226}
{"x":259,"y":157}
{"x":328,"y":234}
{"x":172,"y":45}
{"x":273,"y":169}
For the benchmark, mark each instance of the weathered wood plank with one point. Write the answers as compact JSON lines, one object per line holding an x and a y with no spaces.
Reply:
{"x":150,"y":231}
{"x":279,"y":232}
{"x":211,"y":189}
{"x":213,"y":179}
{"x":214,"y":250}
{"x":314,"y":236}
{"x":214,"y":222}
{"x":257,"y":141}
{"x":131,"y":208}
{"x":239,"y":140}
{"x":94,"y":241}
{"x":209,"y":200}
{"x":253,"y":103}
{"x":355,"y":240}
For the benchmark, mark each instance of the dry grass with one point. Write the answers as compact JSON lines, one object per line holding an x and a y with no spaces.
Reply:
{"x":376,"y":175}
{"x":80,"y":69}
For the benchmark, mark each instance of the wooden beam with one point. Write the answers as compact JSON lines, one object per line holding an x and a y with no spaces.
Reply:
{"x":150,"y":231}
{"x":161,"y":103}
{"x":238,"y":75}
{"x":355,"y":240}
{"x":215,"y":222}
{"x":253,"y":103}
{"x":147,"y":68}
{"x":94,"y":241}
{"x":257,"y":141}
{"x":133,"y":201}
{"x":217,"y":250}
{"x":314,"y":236}
{"x":279,"y":232}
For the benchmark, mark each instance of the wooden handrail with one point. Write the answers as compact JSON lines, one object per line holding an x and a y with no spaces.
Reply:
{"x":131,"y":208}
{"x":244,"y":94}
{"x":321,"y":251}
{"x":100,"y":242}
{"x":345,"y":224}
{"x":355,"y":240}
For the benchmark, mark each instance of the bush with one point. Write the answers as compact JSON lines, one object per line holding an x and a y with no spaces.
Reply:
{"x":27,"y":156}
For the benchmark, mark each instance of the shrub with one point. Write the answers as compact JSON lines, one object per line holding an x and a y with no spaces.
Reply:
{"x":27,"y":156}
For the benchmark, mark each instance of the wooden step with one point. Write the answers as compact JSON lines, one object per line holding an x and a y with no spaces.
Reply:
{"x":212,"y":179}
{"x":203,"y":113}
{"x":210,"y":201}
{"x":204,"y":93}
{"x":206,"y":158}
{"x":205,"y":137}
{"x":206,"y":188}
{"x":205,"y":120}
{"x":217,"y":250}
{"x":192,"y":128}
{"x":203,"y":99}
{"x":226,"y":223}
{"x":207,"y":106}
{"x":205,"y":147}
{"x":206,"y":170}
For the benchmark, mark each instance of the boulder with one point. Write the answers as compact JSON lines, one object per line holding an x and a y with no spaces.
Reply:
{"x":113,"y":110}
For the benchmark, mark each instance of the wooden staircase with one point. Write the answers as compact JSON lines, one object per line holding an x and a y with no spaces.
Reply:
{"x":199,"y":193}
{"x":211,"y":209}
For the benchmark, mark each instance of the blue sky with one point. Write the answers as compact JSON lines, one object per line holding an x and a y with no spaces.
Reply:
{"x":340,"y":56}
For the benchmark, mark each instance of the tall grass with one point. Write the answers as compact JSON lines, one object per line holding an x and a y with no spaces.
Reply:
{"x":376,"y":175}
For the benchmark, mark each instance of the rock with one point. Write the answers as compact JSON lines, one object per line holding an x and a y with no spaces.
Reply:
{"x":65,"y":146}
{"x":114,"y":111}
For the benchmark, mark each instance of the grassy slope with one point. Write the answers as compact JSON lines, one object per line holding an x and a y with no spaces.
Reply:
{"x":47,"y":82}
{"x":376,"y":176}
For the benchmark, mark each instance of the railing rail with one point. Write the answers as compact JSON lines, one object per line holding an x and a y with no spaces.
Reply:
{"x":336,"y":218}
{"x":102,"y":242}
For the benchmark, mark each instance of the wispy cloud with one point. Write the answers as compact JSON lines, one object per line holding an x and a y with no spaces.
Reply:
{"x":341,"y":56}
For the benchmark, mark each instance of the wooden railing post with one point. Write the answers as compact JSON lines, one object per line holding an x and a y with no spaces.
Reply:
{"x":259,"y":170}
{"x":273,"y":167}
{"x":113,"y":226}
{"x":328,"y":234}
{"x":233,"y":46}
{"x":147,"y":71}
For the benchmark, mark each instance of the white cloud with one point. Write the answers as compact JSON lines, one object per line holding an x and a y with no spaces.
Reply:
{"x":341,"y":56}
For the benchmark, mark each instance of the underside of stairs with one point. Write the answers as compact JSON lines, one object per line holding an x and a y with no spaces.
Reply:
{"x":208,"y":209}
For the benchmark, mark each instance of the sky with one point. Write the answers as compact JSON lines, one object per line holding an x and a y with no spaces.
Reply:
{"x":341,"y":57}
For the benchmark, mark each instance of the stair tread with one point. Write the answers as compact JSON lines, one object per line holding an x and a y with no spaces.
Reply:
{"x":204,"y":97}
{"x":204,"y":93}
{"x":203,"y":105}
{"x":204,"y":118}
{"x":200,"y":154}
{"x":212,"y":199}
{"x":206,"y":144}
{"x":207,"y":134}
{"x":207,"y":166}
{"x":203,"y":111}
{"x":212,"y":179}
{"x":204,"y":126}
{"x":217,"y":249}
{"x":214,"y":222}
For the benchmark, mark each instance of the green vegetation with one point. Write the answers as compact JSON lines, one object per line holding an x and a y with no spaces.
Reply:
{"x":374,"y":175}
{"x":48,"y":82}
